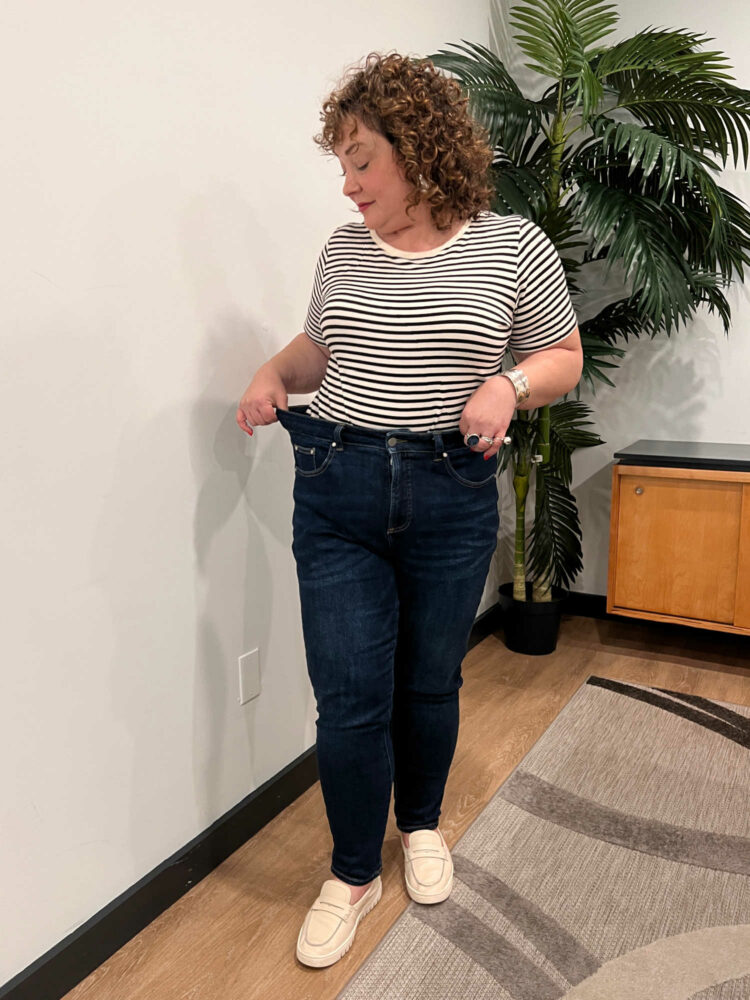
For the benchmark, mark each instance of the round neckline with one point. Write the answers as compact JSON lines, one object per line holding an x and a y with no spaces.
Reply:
{"x":396,"y":252}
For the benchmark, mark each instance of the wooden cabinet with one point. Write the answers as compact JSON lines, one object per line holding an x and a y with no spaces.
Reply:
{"x":680,"y":536}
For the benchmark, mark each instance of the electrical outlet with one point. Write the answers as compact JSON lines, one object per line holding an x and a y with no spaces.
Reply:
{"x":249,"y":676}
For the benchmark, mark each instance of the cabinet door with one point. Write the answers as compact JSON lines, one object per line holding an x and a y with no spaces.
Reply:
{"x":677,"y":546}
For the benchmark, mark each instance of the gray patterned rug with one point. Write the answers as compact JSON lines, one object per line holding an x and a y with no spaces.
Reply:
{"x":612,"y":864}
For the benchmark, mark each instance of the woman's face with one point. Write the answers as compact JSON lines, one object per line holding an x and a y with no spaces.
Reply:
{"x":373,"y":179}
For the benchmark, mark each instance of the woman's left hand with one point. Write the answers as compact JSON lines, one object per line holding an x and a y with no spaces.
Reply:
{"x":488,"y":412}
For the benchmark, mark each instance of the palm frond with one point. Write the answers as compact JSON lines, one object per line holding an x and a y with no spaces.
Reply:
{"x":534,"y":154}
{"x":667,"y":51}
{"x":710,"y":224}
{"x":586,"y":91}
{"x":648,"y":150}
{"x":507,"y":117}
{"x":556,"y":33}
{"x":554,"y":542}
{"x":618,"y":320}
{"x":495,"y":99}
{"x":478,"y":68}
{"x":594,"y":353}
{"x":517,"y":191}
{"x":710,"y":293}
{"x":635,"y":233}
{"x":704,"y":115}
{"x":593,"y":20}
{"x":567,"y":433}
{"x":544,"y":34}
{"x":521,"y":434}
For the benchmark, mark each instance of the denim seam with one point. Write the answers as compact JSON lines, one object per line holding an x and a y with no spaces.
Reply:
{"x":405,"y":473}
{"x":320,"y":469}
{"x":467,"y":482}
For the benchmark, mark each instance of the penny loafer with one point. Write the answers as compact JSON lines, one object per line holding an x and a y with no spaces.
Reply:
{"x":428,"y":866}
{"x":331,"y":922}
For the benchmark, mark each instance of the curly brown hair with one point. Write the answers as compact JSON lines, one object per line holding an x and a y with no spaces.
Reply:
{"x":424,"y":116}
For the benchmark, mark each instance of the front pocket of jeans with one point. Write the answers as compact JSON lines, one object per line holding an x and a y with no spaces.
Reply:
{"x":464,"y":466}
{"x":311,"y":460}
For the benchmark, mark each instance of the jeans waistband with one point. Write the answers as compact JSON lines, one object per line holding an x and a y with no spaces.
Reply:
{"x":297,"y":417}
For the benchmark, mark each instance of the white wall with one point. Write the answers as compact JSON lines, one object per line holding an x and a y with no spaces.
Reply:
{"x":163,"y":206}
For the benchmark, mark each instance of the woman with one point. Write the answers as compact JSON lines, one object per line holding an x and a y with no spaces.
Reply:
{"x":396,"y":513}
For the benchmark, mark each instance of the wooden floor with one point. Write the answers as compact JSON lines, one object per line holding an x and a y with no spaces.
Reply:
{"x":233,"y":936}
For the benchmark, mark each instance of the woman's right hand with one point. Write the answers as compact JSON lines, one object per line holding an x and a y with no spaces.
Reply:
{"x":265,"y":392}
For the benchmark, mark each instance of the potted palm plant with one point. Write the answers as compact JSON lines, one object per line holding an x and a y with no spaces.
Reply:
{"x":617,"y":162}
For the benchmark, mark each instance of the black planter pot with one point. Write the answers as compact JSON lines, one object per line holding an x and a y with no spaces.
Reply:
{"x":531,"y":626}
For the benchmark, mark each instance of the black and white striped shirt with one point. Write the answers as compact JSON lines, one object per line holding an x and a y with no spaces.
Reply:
{"x":413,"y":334}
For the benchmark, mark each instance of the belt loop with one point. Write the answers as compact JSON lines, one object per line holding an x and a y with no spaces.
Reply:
{"x":337,"y":442}
{"x":439,"y":446}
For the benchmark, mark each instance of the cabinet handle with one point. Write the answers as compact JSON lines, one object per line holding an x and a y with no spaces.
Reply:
{"x":639,"y":490}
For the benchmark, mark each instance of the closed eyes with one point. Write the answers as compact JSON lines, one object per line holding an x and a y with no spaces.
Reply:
{"x":358,"y":168}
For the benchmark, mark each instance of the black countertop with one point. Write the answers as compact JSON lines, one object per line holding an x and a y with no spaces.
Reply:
{"x":686,"y":454}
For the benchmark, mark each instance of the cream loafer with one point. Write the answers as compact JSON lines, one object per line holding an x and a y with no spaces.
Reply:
{"x":428,"y":866}
{"x":331,"y":922}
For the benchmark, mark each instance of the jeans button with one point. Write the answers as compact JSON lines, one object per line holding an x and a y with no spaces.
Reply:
{"x":392,"y":441}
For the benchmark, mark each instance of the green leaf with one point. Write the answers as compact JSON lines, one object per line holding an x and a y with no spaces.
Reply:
{"x":495,"y":99}
{"x":670,"y":51}
{"x":621,"y":319}
{"x":567,"y":433}
{"x":594,"y":353}
{"x":647,"y":149}
{"x":709,"y":225}
{"x":521,"y":432}
{"x":554,"y":542}
{"x":557,"y":33}
{"x":593,"y":20}
{"x":702,"y":115}
{"x":634,"y":230}
{"x":507,"y":117}
{"x":587,"y":91}
{"x":543,"y":37}
{"x":517,"y":191}
{"x":711,"y":294}
{"x":479,"y":67}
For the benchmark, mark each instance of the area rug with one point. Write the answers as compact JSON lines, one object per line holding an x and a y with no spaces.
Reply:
{"x":612,"y":864}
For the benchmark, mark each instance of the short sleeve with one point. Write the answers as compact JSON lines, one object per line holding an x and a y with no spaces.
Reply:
{"x":544,"y":313}
{"x":312,"y":325}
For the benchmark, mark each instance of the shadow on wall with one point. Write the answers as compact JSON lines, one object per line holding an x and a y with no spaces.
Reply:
{"x":191,"y":547}
{"x":659,"y":391}
{"x":256,"y":570}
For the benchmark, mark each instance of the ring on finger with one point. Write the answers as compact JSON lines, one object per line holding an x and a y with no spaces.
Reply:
{"x":472,"y":439}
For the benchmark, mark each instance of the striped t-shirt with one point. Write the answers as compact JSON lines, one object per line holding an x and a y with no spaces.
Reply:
{"x":413,"y":334}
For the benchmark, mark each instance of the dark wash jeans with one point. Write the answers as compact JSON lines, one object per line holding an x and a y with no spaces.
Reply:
{"x":393,"y":535}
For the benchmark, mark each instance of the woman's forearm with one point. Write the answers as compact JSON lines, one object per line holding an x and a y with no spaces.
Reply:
{"x":551,"y":373}
{"x":301,"y":365}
